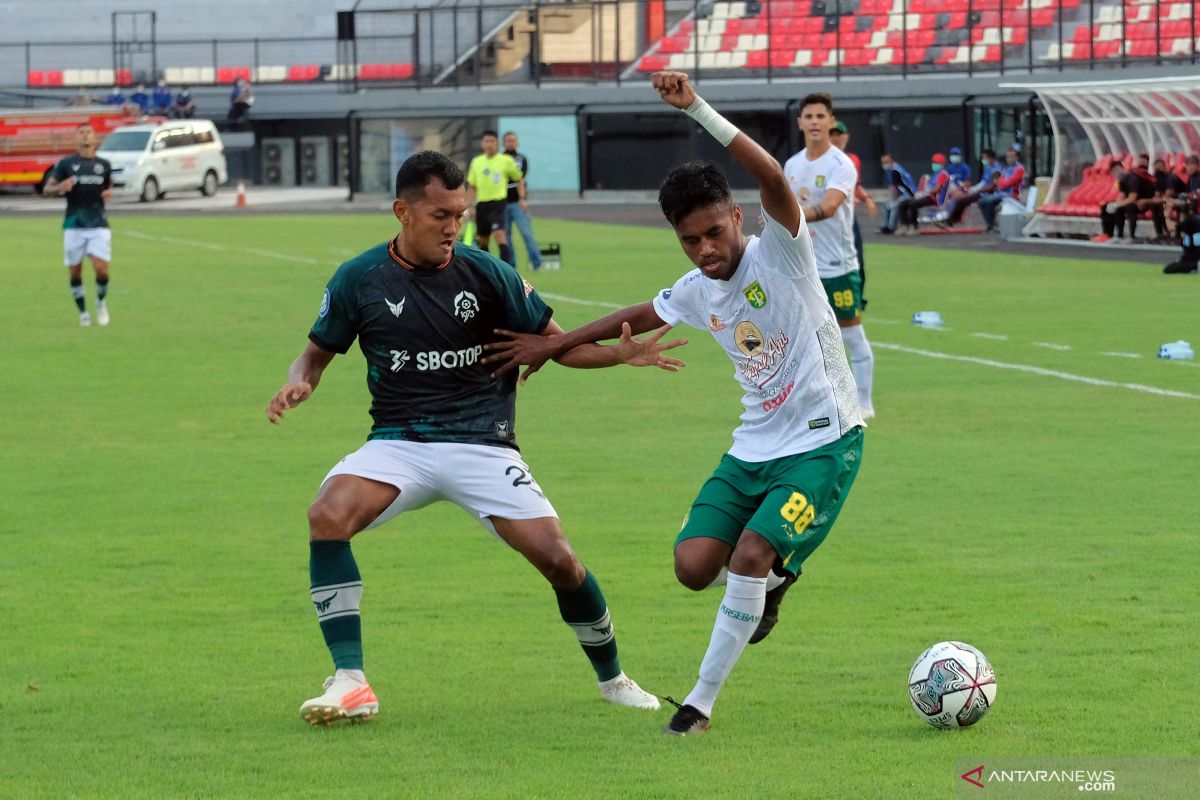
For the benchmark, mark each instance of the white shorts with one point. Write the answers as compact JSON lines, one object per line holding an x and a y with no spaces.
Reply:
{"x":80,"y":242}
{"x":486,"y":481}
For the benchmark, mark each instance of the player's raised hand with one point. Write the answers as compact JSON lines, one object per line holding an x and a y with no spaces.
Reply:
{"x":290,"y":396}
{"x":67,"y":185}
{"x":648,"y":352}
{"x":674,"y":88}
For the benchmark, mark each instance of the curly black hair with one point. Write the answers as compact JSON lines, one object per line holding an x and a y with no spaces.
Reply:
{"x":690,"y":186}
{"x":415,"y":173}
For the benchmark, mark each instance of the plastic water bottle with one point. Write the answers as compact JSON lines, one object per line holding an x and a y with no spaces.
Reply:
{"x":1180,"y":349}
{"x":928,"y":319}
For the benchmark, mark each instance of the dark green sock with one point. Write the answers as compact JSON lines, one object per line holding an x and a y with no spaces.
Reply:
{"x":101,"y":289}
{"x":336,"y":594}
{"x":584,"y":609}
{"x":77,"y":293}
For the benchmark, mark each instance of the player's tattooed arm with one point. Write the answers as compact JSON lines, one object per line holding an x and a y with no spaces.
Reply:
{"x":303,"y":377}
{"x":827,"y":208}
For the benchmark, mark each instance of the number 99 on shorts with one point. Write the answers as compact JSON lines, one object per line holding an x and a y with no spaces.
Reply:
{"x":798,"y":511}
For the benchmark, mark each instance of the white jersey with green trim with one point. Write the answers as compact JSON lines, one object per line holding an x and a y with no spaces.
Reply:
{"x":773,"y":319}
{"x":832,"y":238}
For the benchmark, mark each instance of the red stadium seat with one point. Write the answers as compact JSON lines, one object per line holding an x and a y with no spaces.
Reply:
{"x":124,"y":77}
{"x":303,"y":72}
{"x":656,"y":63}
{"x":36,"y":78}
{"x":54,"y":77}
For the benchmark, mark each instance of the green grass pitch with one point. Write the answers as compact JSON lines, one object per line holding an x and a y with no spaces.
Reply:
{"x":158,"y":637}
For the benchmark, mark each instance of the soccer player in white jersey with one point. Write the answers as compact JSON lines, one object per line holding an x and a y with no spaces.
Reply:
{"x":774,"y":496}
{"x":823,"y":179}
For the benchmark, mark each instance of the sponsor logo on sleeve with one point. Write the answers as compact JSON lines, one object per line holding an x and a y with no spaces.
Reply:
{"x":324,"y":306}
{"x":528,"y":287}
{"x":665,"y":294}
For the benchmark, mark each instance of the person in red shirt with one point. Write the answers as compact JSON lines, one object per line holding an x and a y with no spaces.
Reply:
{"x":1008,"y":184}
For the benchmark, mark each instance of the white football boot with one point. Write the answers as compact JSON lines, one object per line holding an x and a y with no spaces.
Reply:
{"x":85,"y":319}
{"x":345,"y":698}
{"x":624,"y":692}
{"x":102,"y":314}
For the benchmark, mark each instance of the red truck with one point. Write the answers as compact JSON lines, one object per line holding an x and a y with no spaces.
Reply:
{"x":32,"y":140}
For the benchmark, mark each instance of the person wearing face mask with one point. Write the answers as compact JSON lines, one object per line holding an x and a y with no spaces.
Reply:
{"x":959,"y":170}
{"x":989,"y":174}
{"x":162,"y":98}
{"x":1008,"y":185}
{"x":934,"y":194}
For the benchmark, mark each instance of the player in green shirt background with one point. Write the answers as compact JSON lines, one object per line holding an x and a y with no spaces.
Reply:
{"x":86,"y":181}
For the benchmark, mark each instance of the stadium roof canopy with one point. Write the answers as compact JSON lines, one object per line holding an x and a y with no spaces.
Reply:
{"x":1096,"y":118}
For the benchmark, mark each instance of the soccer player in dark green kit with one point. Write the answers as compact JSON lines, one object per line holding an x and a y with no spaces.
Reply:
{"x":422,"y":308}
{"x":87,"y":183}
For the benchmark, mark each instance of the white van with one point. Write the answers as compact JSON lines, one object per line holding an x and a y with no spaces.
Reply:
{"x":150,"y":160}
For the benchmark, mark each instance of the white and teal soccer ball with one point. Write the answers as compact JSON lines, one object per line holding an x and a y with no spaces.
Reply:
{"x":952,"y":685}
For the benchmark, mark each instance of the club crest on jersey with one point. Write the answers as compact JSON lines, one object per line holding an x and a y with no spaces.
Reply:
{"x":395,"y":308}
{"x":465,"y":306}
{"x":820,"y":181}
{"x":715,"y":324}
{"x":75,"y":167}
{"x":755,"y":294}
{"x":748,"y":338}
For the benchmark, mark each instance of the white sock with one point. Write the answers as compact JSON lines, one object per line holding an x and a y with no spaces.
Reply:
{"x":862,"y":362}
{"x":356,"y":674}
{"x":738,"y":617}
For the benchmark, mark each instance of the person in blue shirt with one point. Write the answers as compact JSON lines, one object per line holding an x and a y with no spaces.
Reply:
{"x":185,"y":106}
{"x":162,"y":98}
{"x":958,"y":170}
{"x":115,"y":98}
{"x":903,"y":187}
{"x":140,"y":99}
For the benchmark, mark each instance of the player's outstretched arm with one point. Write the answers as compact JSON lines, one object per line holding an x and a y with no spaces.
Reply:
{"x":303,"y":377}
{"x":777,"y":199}
{"x":534,"y":350}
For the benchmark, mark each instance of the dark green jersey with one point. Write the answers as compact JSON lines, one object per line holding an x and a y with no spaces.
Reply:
{"x":85,"y":206}
{"x":422,"y":332}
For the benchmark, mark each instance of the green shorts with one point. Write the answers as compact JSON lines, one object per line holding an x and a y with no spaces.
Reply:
{"x":792,"y":502}
{"x":845,"y":294}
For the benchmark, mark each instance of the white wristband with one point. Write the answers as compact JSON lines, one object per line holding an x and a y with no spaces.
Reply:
{"x":721,"y":129}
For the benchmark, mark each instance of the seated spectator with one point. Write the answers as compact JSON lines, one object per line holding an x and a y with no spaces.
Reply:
{"x":1168,"y":186}
{"x":115,"y":98}
{"x":1115,"y":213}
{"x":240,"y":100}
{"x":959,"y":170}
{"x":1148,"y":198}
{"x":140,"y":99}
{"x":902,"y":188}
{"x":184,"y":107}
{"x":934,"y":194}
{"x":162,"y":98}
{"x":989,"y":174}
{"x":1008,"y":185}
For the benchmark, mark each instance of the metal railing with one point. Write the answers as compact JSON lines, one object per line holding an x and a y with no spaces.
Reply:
{"x":600,"y":41}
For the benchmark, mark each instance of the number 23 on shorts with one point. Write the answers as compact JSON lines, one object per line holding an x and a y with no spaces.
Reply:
{"x":798,"y":511}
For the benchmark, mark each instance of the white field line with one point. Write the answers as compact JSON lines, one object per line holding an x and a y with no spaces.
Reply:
{"x":577,"y":301}
{"x":1052,"y":345}
{"x":996,"y":337}
{"x":1050,"y":373}
{"x":253,"y":251}
{"x":1116,"y":354}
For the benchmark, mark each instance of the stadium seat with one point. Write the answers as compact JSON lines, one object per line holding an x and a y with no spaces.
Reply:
{"x":54,"y":77}
{"x":303,"y":72}
{"x":36,"y":78}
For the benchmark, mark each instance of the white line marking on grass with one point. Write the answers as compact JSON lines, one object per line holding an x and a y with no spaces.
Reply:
{"x":173,"y":240}
{"x":1122,"y":355}
{"x":1052,"y":345}
{"x":1050,"y":373}
{"x":254,"y":251}
{"x":576,"y":300}
{"x":996,"y":337}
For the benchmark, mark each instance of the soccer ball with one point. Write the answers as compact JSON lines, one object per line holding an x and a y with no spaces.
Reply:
{"x":952,"y":685}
